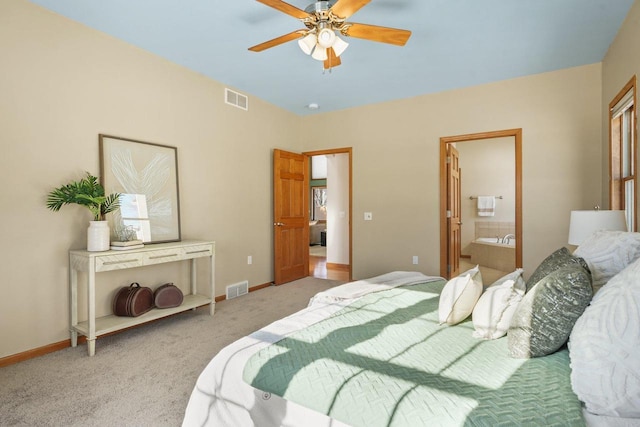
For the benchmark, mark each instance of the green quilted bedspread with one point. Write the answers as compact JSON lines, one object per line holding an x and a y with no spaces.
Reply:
{"x":385,"y":361}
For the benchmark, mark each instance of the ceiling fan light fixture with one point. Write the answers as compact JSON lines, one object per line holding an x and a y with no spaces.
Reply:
{"x":320,"y":53}
{"x":339,"y":46}
{"x":307,"y":43}
{"x":326,"y":37}
{"x":324,"y":22}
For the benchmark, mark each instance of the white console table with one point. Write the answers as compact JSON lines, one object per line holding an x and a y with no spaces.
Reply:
{"x":96,"y":262}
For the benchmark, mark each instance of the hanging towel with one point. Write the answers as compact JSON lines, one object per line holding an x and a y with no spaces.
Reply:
{"x":486,"y":205}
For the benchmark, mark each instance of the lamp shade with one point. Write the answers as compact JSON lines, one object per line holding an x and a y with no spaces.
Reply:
{"x":583,"y":223}
{"x":307,"y":43}
{"x":339,"y":46}
{"x":319,"y":53}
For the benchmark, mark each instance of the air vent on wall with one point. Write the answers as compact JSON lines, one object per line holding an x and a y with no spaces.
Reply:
{"x":237,"y":289}
{"x":236,"y":99}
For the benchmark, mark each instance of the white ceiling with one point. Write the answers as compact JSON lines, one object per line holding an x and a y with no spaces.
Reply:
{"x":454,"y":44}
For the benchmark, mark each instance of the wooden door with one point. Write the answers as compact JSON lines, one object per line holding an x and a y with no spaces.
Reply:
{"x":290,"y":216}
{"x":453,"y":212}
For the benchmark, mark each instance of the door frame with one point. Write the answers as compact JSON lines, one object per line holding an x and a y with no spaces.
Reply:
{"x":444,"y":141}
{"x":349,"y":152}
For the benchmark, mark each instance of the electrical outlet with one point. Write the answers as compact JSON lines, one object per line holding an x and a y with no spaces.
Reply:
{"x":415,"y":259}
{"x":249,"y":260}
{"x":368,"y":216}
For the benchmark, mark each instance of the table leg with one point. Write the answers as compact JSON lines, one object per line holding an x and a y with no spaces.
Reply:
{"x":73,"y":303}
{"x":194,"y":286}
{"x":91,"y":304}
{"x":192,"y":272}
{"x":212,"y":286}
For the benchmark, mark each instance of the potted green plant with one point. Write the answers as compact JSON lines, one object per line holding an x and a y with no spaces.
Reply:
{"x":88,"y":192}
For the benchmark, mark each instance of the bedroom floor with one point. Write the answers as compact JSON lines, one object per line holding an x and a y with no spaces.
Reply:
{"x":318,"y":265}
{"x":318,"y":250}
{"x":489,"y":275}
{"x":141,"y":376}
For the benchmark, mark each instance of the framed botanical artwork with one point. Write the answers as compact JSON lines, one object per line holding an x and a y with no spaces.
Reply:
{"x":146,"y":174}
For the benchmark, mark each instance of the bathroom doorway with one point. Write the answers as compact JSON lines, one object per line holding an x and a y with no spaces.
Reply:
{"x":465,"y":221}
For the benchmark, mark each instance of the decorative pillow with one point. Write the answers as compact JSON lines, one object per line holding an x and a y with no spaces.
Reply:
{"x":494,"y":310}
{"x":607,"y":253}
{"x":459,"y":296}
{"x":604,"y":347}
{"x":545,"y":316}
{"x":557,"y":259}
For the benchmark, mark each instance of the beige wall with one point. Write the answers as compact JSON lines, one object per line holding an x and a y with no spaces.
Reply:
{"x":61,"y":84}
{"x":620,"y":64}
{"x":396,"y":152}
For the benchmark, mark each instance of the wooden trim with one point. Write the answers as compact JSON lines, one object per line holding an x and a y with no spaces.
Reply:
{"x":631,"y":85}
{"x":443,"y":209}
{"x":339,"y":267}
{"x":517,"y":135}
{"x":328,"y":151}
{"x":37,"y":352}
{"x":60,"y":345}
{"x":349,"y":151}
{"x":258,"y":287}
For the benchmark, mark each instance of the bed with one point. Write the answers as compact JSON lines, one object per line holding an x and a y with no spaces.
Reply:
{"x":405,"y":349}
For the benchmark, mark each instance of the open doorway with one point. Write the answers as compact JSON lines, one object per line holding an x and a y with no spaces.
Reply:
{"x":463,"y":218}
{"x":330,"y":214}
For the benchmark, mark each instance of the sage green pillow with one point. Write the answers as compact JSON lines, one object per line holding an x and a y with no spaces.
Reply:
{"x":545,"y":317}
{"x":557,"y":259}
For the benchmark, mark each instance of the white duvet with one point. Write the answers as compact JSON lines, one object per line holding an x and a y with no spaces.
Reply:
{"x":222,"y":398}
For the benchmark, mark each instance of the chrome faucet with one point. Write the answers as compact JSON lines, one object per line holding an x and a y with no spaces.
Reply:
{"x":507,"y":238}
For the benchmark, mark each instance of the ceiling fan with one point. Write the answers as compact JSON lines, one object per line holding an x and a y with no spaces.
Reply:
{"x":323,"y":20}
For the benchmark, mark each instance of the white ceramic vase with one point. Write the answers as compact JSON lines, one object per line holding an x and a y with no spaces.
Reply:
{"x":98,"y":236}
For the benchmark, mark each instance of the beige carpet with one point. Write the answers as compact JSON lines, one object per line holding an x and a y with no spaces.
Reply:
{"x":143,"y":376}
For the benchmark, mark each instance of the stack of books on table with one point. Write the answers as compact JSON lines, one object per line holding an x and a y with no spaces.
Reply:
{"x":125,"y":246}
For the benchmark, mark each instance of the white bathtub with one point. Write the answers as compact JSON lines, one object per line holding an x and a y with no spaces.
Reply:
{"x":496,"y":241}
{"x":490,"y":252}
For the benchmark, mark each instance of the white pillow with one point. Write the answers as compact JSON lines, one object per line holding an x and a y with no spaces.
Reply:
{"x":459,"y":296}
{"x":494,"y":310}
{"x":607,"y":253}
{"x":604,"y":348}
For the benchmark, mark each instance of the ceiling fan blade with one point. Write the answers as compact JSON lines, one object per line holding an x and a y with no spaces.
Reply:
{"x":332,"y":60}
{"x":378,"y":34}
{"x":285,"y":8}
{"x":345,"y":8}
{"x":278,"y":41}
